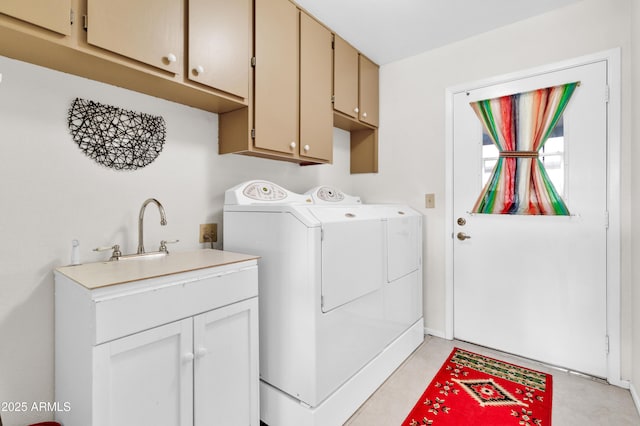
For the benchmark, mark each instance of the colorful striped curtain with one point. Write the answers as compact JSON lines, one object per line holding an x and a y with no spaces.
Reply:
{"x":519,"y":125}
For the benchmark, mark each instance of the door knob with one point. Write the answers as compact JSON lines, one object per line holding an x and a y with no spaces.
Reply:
{"x":462,"y":236}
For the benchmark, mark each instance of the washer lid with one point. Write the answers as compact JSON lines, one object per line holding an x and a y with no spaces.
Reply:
{"x":352,"y":253}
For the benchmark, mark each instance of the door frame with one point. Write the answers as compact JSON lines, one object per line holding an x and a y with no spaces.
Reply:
{"x":613,"y":304}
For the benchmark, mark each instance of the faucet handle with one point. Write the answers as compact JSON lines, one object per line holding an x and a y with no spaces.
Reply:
{"x":116,"y":251}
{"x":163,"y":245}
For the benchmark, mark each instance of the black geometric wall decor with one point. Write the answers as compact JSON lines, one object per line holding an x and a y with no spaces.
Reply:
{"x":114,"y":137}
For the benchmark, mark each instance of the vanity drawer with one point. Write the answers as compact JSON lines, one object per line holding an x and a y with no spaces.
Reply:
{"x":141,"y":307}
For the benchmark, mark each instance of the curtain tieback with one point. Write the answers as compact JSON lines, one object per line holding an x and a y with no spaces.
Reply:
{"x":519,"y":154}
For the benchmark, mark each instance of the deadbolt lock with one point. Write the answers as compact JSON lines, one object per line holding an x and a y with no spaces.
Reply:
{"x":462,"y":221}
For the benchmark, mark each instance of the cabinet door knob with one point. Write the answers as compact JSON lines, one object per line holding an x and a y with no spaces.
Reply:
{"x":201,"y":352}
{"x":199,"y":70}
{"x":356,"y":110}
{"x":306,"y":147}
{"x":292,"y":145}
{"x":364,"y":115}
{"x":188,"y":357}
{"x":171,"y":58}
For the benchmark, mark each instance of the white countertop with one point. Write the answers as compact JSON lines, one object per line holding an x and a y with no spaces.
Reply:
{"x":102,"y":274}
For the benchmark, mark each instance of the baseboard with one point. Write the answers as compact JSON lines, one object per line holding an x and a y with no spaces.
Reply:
{"x":635,"y":397}
{"x":624,"y":384}
{"x":434,"y":333}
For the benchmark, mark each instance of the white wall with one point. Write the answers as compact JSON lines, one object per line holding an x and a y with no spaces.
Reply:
{"x":51,"y":193}
{"x":635,"y":155}
{"x":412,"y":135}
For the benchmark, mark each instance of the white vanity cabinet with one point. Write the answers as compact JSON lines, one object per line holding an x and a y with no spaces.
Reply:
{"x":172,"y":342}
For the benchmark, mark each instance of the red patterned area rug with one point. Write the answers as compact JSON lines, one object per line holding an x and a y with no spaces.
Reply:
{"x":472,"y":389}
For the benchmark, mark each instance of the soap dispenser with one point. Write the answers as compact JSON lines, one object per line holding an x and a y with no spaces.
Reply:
{"x":75,"y":252}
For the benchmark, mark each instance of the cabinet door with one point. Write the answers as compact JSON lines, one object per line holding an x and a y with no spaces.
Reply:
{"x":54,"y":15}
{"x":145,"y":378}
{"x":226,"y":368}
{"x":316,"y":112}
{"x":276,"y":76}
{"x":149,"y":31}
{"x":368,"y":92}
{"x":220,"y":44}
{"x":345,"y":78}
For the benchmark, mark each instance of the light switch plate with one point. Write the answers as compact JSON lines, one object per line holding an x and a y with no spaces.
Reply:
{"x":430,"y":201}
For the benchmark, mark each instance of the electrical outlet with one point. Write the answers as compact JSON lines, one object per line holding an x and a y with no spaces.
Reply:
{"x":208,"y":232}
{"x":430,"y":201}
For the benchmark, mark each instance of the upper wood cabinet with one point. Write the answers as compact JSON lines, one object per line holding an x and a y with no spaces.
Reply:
{"x":316,"y":112}
{"x":368,"y":92}
{"x":291,"y":117}
{"x":149,"y":31}
{"x":140,"y":45}
{"x":355,"y":102}
{"x":199,"y":53}
{"x":54,"y":15}
{"x":345,"y":78}
{"x":355,"y":83}
{"x":220,"y":44}
{"x":276,"y":76}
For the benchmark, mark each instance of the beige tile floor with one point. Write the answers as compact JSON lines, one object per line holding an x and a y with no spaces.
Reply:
{"x":577,"y":400}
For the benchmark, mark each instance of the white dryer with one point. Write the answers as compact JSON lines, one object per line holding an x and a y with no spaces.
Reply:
{"x":340,"y":293}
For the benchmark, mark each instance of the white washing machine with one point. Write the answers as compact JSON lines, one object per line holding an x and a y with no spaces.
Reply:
{"x":340,"y":294}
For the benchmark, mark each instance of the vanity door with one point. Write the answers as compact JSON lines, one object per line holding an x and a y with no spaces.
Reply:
{"x":226,"y":365}
{"x":145,"y":378}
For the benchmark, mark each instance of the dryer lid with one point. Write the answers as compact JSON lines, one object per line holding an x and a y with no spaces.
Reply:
{"x":355,"y":213}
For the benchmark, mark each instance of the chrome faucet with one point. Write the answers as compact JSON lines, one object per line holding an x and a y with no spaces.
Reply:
{"x":163,"y":221}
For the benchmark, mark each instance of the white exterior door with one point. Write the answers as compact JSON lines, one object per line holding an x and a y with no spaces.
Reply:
{"x":536,"y":286}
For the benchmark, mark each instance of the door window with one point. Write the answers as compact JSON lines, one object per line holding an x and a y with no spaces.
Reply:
{"x":552,"y":156}
{"x":519,"y":126}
